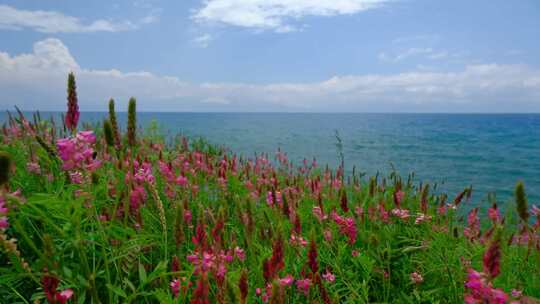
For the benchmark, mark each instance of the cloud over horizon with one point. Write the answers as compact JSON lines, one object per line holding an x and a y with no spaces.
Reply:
{"x":36,"y":81}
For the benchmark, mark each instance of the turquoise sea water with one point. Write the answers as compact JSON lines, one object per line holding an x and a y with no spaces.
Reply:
{"x":489,"y":151}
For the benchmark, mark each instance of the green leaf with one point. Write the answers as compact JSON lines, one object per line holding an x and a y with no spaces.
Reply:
{"x":117,"y":290}
{"x":142,"y":274}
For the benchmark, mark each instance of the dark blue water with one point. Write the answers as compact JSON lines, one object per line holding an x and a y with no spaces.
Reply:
{"x":491,"y":152}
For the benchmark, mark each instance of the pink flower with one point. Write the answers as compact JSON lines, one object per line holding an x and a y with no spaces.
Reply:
{"x":64,"y":296}
{"x":286,"y":281}
{"x":318,"y":213}
{"x":297,"y":240}
{"x":347,"y":226}
{"x":76,"y":177}
{"x":327,"y":235}
{"x":175,"y":287}
{"x":535,"y":210}
{"x":481,"y":291}
{"x":269,"y":198}
{"x":181,"y":180}
{"x":240,"y":254}
{"x":398,"y":197}
{"x":422,"y":218}
{"x":355,"y":253}
{"x":494,"y":214}
{"x":329,"y":277}
{"x":401,"y":213}
{"x":77,"y":152}
{"x":4,"y":224}
{"x":416,"y":278}
{"x":517,"y":293}
{"x":359,"y":211}
{"x":303,"y":285}
{"x":33,"y":167}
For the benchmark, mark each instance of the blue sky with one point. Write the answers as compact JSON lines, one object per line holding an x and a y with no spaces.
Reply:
{"x":274,"y":55}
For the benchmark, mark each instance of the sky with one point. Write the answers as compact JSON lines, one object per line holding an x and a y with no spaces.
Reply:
{"x":273,"y":55}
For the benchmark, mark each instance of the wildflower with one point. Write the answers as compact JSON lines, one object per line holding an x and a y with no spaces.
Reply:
{"x":416,"y":278}
{"x":77,"y":152}
{"x":202,"y":290}
{"x":4,"y":223}
{"x":329,"y":277}
{"x":494,"y":214}
{"x":72,"y":115}
{"x":243,"y":286}
{"x":297,"y":240}
{"x":535,"y":210}
{"x":521,"y":202}
{"x":312,"y":257}
{"x":319,"y":214}
{"x":240,"y":254}
{"x":355,"y":253}
{"x":422,"y":218}
{"x":269,"y":198}
{"x":50,"y":284}
{"x":516,"y":293}
{"x":63,"y":296}
{"x":181,"y":180}
{"x":359,"y":211}
{"x":76,"y":177}
{"x":398,"y":198}
{"x":175,"y":287}
{"x":327,"y":235}
{"x":33,"y":167}
{"x":114,"y":123}
{"x":303,"y":285}
{"x":473,"y":230}
{"x":132,"y":122}
{"x":482,"y":291}
{"x":347,"y":226}
{"x":286,"y":281}
{"x":401,"y":213}
{"x":492,"y":258}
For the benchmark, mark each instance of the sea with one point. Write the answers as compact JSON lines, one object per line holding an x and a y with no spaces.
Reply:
{"x":491,"y":152}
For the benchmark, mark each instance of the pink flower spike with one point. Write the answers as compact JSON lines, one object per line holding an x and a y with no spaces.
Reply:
{"x":175,"y":287}
{"x":240,"y":254}
{"x":416,"y":278}
{"x":329,"y":277}
{"x":303,"y":286}
{"x":286,"y":281}
{"x":64,"y":296}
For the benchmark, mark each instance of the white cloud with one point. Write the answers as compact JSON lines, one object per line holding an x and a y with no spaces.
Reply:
{"x":420,"y":53}
{"x":276,"y":14}
{"x":203,"y":41}
{"x":55,"y":22}
{"x":37,"y":81}
{"x":411,"y":52}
